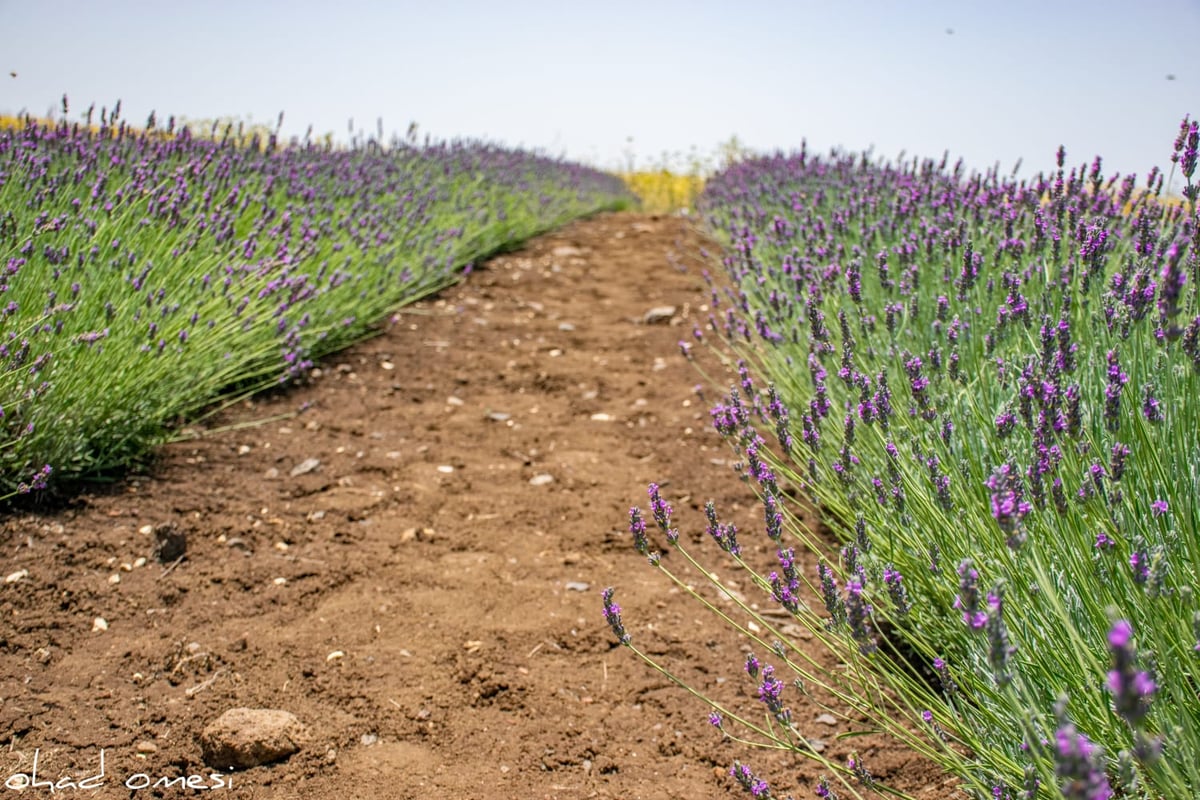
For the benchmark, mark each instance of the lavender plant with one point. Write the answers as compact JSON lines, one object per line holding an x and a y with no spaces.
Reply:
{"x":987,"y":385}
{"x":149,"y":272}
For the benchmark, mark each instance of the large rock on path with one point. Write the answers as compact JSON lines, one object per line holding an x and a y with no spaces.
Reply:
{"x":248,"y":737}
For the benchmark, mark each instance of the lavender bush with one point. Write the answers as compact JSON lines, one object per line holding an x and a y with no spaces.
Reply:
{"x":149,"y":271}
{"x":988,"y":387}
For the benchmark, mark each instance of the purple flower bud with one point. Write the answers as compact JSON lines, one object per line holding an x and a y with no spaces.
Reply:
{"x":755,"y":786}
{"x":967,"y":600}
{"x":637,"y":527}
{"x":770,"y":694}
{"x":1112,"y":392}
{"x":612,"y":615}
{"x":829,"y":592}
{"x":895,"y":585}
{"x":943,"y":672}
{"x":752,"y":666}
{"x":858,"y":615}
{"x":1079,"y":765}
{"x":1008,"y":504}
{"x":725,"y":535}
{"x":661,"y":511}
{"x":1132,"y":689}
{"x":999,"y":649}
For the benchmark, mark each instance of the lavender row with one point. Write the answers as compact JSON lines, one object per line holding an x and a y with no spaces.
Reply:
{"x":149,"y":271}
{"x":988,"y":386}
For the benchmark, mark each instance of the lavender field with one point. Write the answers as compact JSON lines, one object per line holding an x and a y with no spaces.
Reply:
{"x":150,"y":272}
{"x":985,"y":384}
{"x":988,"y":386}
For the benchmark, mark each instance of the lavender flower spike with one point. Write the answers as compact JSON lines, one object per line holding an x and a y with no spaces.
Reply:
{"x":1079,"y":765}
{"x":637,"y":527}
{"x":612,"y":615}
{"x":770,"y":692}
{"x":1131,"y":688}
{"x":661,"y":511}
{"x":752,"y":784}
{"x":967,"y":600}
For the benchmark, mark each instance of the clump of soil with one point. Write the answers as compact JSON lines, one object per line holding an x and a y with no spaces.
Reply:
{"x":412,"y":564}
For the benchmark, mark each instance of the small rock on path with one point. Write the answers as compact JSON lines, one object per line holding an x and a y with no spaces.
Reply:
{"x":249,"y":737}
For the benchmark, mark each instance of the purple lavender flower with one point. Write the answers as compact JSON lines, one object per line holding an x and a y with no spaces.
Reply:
{"x":895,"y":586}
{"x":661,"y":510}
{"x":1191,"y":341}
{"x":1187,"y":160}
{"x":858,"y":615}
{"x":1074,"y":399}
{"x":770,"y":694}
{"x":860,"y":534}
{"x":1116,"y":465}
{"x":881,"y":402}
{"x":824,"y":791}
{"x":1139,"y":563}
{"x":725,"y":535}
{"x":967,"y":600}
{"x":779,"y":412}
{"x":999,"y":649}
{"x":715,"y":720}
{"x":829,"y":592}
{"x":1079,"y":765}
{"x":942,"y":670}
{"x":1006,"y":422}
{"x":854,"y":280}
{"x":786,"y":589}
{"x":1059,"y":495}
{"x":1180,"y":139}
{"x":1151,"y":407}
{"x":1008,"y":504}
{"x":758,"y":468}
{"x":773,"y":517}
{"x":1159,"y":507}
{"x":756,"y":787}
{"x":38,"y":482}
{"x":1112,"y":392}
{"x":752,"y":665}
{"x":637,"y":527}
{"x":855,"y":764}
{"x":1132,"y":689}
{"x":612,"y":615}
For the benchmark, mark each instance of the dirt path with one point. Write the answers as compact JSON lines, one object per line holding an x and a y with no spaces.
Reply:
{"x":425,"y":596}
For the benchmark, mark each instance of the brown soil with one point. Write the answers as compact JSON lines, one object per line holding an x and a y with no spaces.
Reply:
{"x":422,"y":600}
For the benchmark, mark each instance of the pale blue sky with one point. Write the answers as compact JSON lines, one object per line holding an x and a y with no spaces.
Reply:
{"x":1015,"y":78}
